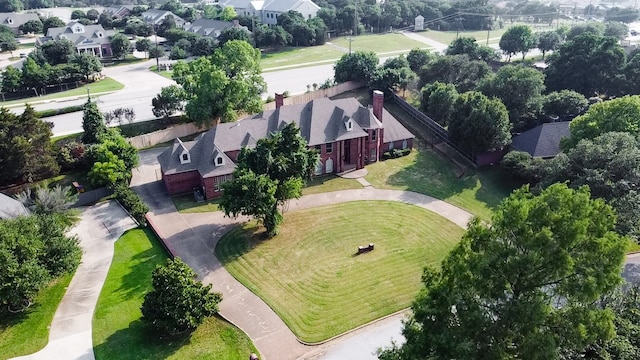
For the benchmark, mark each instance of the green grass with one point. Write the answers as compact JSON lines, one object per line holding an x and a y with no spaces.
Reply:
{"x":446,"y":37}
{"x":298,"y":55}
{"x":328,"y":183}
{"x":118,"y":332}
{"x":310,"y":276}
{"x":423,"y":171}
{"x":186,"y":204}
{"x":26,"y":45}
{"x":379,"y":43}
{"x":28,"y":332}
{"x":104,"y":85}
{"x":165,"y":73}
{"x":128,"y":60}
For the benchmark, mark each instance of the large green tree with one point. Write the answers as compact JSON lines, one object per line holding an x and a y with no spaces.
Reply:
{"x":458,"y":70}
{"x":357,"y":66}
{"x":51,"y":22}
{"x":478,"y":123}
{"x":520,"y":89}
{"x":522,"y":287}
{"x":178,"y":302}
{"x":621,"y":114}
{"x":92,"y":123}
{"x":518,"y":39}
{"x":170,"y":100}
{"x":222,"y":85}
{"x":87,"y":63}
{"x":26,"y":151}
{"x":610,"y":165}
{"x":120,"y":45}
{"x":438,"y":101}
{"x":589,"y":64}
{"x":268,"y":175}
{"x":564,"y":104}
{"x":548,"y":41}
{"x":57,"y":51}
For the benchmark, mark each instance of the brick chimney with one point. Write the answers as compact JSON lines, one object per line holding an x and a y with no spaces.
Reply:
{"x":378,"y":102}
{"x":279,"y":100}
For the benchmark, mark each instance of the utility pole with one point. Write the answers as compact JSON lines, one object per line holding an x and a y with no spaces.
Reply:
{"x":459,"y":20}
{"x":88,"y":95}
{"x":157,"y":53}
{"x":355,"y":20}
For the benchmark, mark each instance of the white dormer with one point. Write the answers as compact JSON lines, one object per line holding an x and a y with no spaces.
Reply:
{"x":10,"y":20}
{"x":349,"y":124}
{"x":78,"y":28}
{"x":218,"y":160}
{"x":185,"y":156}
{"x":99,"y":34}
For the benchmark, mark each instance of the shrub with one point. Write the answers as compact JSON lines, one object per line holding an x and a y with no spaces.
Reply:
{"x":132,"y":202}
{"x":61,"y":111}
{"x":70,"y":155}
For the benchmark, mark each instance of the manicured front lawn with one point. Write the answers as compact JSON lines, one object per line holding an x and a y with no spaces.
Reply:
{"x":187,"y":204}
{"x":310,"y":276}
{"x":298,"y":55}
{"x":327,"y":183}
{"x":118,"y":332}
{"x":379,"y":43}
{"x":104,"y":85}
{"x":28,"y":332}
{"x":422,"y":171}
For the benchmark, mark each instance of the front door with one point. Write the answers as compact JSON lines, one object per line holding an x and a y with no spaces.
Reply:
{"x":347,"y":152}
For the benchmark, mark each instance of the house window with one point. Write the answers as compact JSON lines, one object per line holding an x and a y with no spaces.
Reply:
{"x":217,"y":183}
{"x":318,"y":168}
{"x":373,"y":135}
{"x":391,"y":145}
{"x":404,"y":144}
{"x":374,"y":156}
{"x":318,"y":148}
{"x":329,"y":148}
{"x":219,"y":160}
{"x":185,"y":157}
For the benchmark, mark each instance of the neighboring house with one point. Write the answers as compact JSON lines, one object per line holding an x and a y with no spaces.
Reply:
{"x":119,"y":11}
{"x":14,"y":20}
{"x":155,"y":17}
{"x":542,"y":141}
{"x":212,"y":28}
{"x":11,"y":208}
{"x":346,"y":134}
{"x":86,"y":38}
{"x":269,"y":10}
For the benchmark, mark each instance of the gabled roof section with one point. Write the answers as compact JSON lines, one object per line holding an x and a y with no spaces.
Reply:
{"x":237,"y":4}
{"x":170,"y":159}
{"x":14,"y":20}
{"x":286,"y":5}
{"x":543,"y":140}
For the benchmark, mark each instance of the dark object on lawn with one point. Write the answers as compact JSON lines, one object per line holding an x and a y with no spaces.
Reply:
{"x":364,"y":249}
{"x":197,"y":194}
{"x":253,"y":357}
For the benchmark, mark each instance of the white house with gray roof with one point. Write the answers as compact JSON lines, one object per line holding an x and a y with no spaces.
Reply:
{"x":156,"y":16}
{"x":346,"y":134}
{"x":92,"y":39}
{"x":269,"y":10}
{"x":212,"y":28}
{"x":14,"y":20}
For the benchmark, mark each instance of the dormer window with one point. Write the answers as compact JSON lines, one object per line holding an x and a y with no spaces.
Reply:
{"x":219,"y":161}
{"x":100,"y":34}
{"x":78,"y":29}
{"x":185,"y":158}
{"x":349,"y":124}
{"x":10,"y":20}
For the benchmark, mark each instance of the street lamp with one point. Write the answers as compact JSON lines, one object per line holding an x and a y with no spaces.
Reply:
{"x":350,"y":40}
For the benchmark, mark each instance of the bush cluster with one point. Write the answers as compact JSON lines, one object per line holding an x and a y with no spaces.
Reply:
{"x":395,"y":153}
{"x":132,"y":203}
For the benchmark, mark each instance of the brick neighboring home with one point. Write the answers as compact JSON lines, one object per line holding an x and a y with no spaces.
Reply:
{"x":212,"y":28}
{"x":155,"y":17}
{"x":542,"y":141}
{"x":86,"y":38}
{"x":119,"y":11}
{"x":269,"y":10}
{"x":14,"y":20}
{"x":346,"y":134}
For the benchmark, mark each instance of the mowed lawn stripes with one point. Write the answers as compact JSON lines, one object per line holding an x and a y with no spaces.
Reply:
{"x":310,"y":276}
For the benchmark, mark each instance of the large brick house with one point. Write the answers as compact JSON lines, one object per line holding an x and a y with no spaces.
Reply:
{"x":346,"y":134}
{"x":93,"y":39}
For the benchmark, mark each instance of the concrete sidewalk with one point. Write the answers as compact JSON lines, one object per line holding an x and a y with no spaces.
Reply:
{"x":70,"y":331}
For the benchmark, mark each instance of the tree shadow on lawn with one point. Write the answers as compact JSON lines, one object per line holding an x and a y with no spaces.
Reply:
{"x":138,"y":341}
{"x":432,"y":175}
{"x":240,"y":240}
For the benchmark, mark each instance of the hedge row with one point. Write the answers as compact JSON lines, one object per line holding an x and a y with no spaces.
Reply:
{"x":132,"y":202}
{"x":395,"y":153}
{"x":64,"y":110}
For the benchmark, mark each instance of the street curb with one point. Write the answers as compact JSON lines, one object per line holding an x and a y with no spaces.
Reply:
{"x":58,"y":100}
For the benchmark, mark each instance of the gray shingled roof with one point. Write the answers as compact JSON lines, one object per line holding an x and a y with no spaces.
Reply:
{"x":11,"y":208}
{"x":156,"y":16}
{"x":93,"y":34}
{"x":543,"y":140}
{"x":211,"y":28}
{"x":320,"y":121}
{"x":14,"y":20}
{"x":238,"y":4}
{"x":284,"y":5}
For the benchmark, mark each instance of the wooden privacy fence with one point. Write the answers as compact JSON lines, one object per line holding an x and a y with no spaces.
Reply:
{"x":432,"y":126}
{"x":321,"y":93}
{"x":164,"y":135}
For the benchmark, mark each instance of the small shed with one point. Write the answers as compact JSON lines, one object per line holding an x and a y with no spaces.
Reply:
{"x":419,"y":23}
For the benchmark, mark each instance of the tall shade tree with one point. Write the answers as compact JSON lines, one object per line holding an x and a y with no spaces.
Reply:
{"x":269,"y":175}
{"x":26,"y":151}
{"x":478,"y":123}
{"x":522,"y":287}
{"x":548,"y":41}
{"x":120,"y":45}
{"x":170,"y":100}
{"x":458,"y":70}
{"x":610,"y":165}
{"x":223,"y":84}
{"x":52,"y":22}
{"x":418,"y":58}
{"x":589,"y":64}
{"x":31,"y":26}
{"x":438,"y":101}
{"x":92,"y":123}
{"x":616,"y":29}
{"x":233,"y":33}
{"x":357,"y":66}
{"x":518,"y":39}
{"x":565,"y":104}
{"x":87,"y":63}
{"x":519,"y":88}
{"x":178,"y":302}
{"x":621,"y":114}
{"x":57,"y":51}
